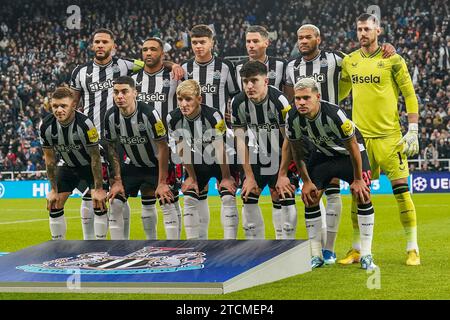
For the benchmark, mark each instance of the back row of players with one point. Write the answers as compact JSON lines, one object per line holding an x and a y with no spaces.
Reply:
{"x":136,"y":112}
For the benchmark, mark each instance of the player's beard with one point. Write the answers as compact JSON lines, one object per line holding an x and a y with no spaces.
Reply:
{"x":153,"y":62}
{"x":309,"y":52}
{"x":368,"y":42}
{"x":106,"y":55}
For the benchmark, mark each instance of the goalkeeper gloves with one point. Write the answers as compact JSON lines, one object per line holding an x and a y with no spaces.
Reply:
{"x":410,"y":140}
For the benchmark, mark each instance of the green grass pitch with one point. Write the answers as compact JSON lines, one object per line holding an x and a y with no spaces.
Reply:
{"x":24,"y":223}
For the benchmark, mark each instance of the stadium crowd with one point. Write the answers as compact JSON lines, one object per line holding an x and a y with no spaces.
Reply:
{"x":38,"y":53}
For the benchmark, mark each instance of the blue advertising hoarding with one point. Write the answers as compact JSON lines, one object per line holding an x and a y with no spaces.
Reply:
{"x":420,"y":182}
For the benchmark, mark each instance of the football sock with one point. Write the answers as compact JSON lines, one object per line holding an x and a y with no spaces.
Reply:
{"x":100,"y":223}
{"x":277,"y":219}
{"x":356,"y":242}
{"x":116,"y":223}
{"x":149,"y":217}
{"x":87,"y":218}
{"x":313,"y":223}
{"x":289,"y":216}
{"x":203,"y":210}
{"x":366,"y":218}
{"x":126,"y":220}
{"x":408,"y":216}
{"x":191,"y":217}
{"x":58,"y":224}
{"x":333,"y":208}
{"x":252,"y":219}
{"x":229,"y":215}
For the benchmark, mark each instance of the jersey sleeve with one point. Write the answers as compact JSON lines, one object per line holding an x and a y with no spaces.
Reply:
{"x":404,"y":82}
{"x":238,"y":119}
{"x":133,"y":65}
{"x":283,"y":107}
{"x":291,"y":133}
{"x":157,"y":129}
{"x":75,"y":83}
{"x":345,"y":83}
{"x":232,"y":84}
{"x":110,"y":128}
{"x":343,"y":127}
{"x":288,"y":72}
{"x":91,"y":136}
{"x":218,"y":123}
{"x":46,"y":144}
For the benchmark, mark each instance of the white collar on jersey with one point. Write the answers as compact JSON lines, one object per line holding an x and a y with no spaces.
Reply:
{"x":317,"y":56}
{"x":154,"y":73}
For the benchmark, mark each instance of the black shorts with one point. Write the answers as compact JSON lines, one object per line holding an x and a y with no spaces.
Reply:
{"x":134,"y":178}
{"x":69,"y":178}
{"x":322,"y":169}
{"x":205,"y":172}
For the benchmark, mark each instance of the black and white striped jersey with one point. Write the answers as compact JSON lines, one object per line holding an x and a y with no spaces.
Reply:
{"x":158,"y":90}
{"x":327,"y":131}
{"x":198,"y":133}
{"x":136,"y":133}
{"x":262,"y":121}
{"x":217,"y":79}
{"x":71,"y":140}
{"x":275,"y":72}
{"x":325,"y":69}
{"x":95,"y":82}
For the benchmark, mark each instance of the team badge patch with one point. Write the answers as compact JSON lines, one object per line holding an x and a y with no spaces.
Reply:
{"x":323,"y":63}
{"x":145,"y":260}
{"x":160,"y":129}
{"x":347,"y":127}
{"x":272,"y":75}
{"x":141,"y":126}
{"x":221,"y":127}
{"x":216,"y":74}
{"x":285,"y":111}
{"x":93,"y":135}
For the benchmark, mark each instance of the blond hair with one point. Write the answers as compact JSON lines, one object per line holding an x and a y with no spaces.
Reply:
{"x":189,"y":87}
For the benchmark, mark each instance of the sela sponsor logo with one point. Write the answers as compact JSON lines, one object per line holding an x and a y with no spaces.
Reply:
{"x":266,"y":126}
{"x":318,"y":77}
{"x":209,"y":88}
{"x":365,"y":79}
{"x":100,"y":86}
{"x":133,"y":140}
{"x":321,"y":140}
{"x":67,"y":148}
{"x":152,"y":97}
{"x":145,"y":260}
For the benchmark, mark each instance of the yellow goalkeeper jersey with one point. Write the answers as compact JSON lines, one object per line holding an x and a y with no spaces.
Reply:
{"x":375,"y":83}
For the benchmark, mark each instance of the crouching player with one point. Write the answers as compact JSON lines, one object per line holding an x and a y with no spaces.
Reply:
{"x":340,"y":153}
{"x":196,"y":133}
{"x":138,"y":128}
{"x":75,"y":138}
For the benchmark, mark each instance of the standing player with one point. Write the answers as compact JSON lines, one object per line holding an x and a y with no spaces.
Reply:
{"x":217,"y":80}
{"x":92,"y":84}
{"x":157,"y":87}
{"x":138,"y":128}
{"x":341,"y":154}
{"x":375,"y":83}
{"x":258,"y":115}
{"x":75,"y":138}
{"x":257,"y":42}
{"x":197,"y":134}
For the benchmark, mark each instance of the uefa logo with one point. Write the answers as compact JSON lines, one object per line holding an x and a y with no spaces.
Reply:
{"x":2,"y":190}
{"x":420,"y":184}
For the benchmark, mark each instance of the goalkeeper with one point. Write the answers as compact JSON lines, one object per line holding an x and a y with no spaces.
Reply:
{"x":375,"y":83}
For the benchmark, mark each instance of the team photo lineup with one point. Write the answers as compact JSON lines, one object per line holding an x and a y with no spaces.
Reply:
{"x":170,"y":129}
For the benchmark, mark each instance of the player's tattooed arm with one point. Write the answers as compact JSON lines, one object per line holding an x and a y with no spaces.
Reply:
{"x":50,"y":163}
{"x":114,"y":160}
{"x":96,"y":166}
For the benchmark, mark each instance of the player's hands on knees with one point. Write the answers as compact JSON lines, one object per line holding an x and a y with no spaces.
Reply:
{"x":309,"y":193}
{"x":99,"y":197}
{"x":229,"y":184}
{"x":249,"y":186}
{"x":190,"y":184}
{"x":164,"y":193}
{"x":284,"y":187}
{"x":116,"y":188}
{"x":360,"y":190}
{"x":52,"y":199}
{"x":177,"y":72}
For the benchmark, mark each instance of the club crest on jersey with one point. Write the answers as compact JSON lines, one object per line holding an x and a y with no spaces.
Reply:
{"x":323,"y":63}
{"x":216,"y":75}
{"x":272,"y":74}
{"x":141,"y":126}
{"x":115,"y":68}
{"x":380,"y":64}
{"x":166,"y":83}
{"x":145,"y":260}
